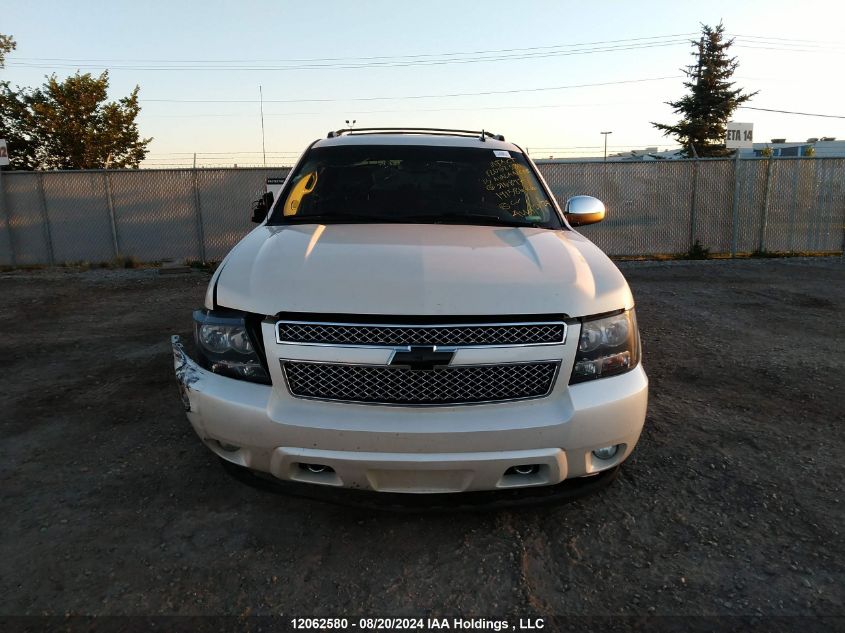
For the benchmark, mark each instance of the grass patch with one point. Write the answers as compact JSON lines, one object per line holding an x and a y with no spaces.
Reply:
{"x":697,"y":251}
{"x":200,"y":265}
{"x":126,"y":261}
{"x":668,"y":257}
{"x":8,"y":269}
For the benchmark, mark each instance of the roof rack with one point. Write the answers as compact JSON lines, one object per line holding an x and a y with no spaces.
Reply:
{"x":482,"y":135}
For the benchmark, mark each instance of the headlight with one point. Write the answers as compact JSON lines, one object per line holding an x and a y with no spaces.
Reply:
{"x":607,"y":346}
{"x":226,"y":346}
{"x":219,"y":339}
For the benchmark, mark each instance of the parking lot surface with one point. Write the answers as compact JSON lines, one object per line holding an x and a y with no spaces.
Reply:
{"x":731,"y":503}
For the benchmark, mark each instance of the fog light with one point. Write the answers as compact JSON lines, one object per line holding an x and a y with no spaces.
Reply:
{"x":316,"y":468}
{"x":523,"y":469}
{"x":608,"y":452}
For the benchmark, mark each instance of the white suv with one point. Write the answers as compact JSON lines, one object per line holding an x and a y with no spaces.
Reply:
{"x":415,"y":314}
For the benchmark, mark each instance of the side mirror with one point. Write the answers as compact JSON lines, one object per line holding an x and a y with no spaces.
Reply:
{"x":581,"y":210}
{"x":261,"y":207}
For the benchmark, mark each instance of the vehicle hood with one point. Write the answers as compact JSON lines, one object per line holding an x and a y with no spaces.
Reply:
{"x":418,"y":269}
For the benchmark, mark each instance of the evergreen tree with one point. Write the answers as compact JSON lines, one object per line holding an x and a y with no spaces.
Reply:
{"x":711,"y":99}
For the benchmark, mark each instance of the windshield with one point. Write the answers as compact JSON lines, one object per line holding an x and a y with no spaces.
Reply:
{"x":415,"y":184}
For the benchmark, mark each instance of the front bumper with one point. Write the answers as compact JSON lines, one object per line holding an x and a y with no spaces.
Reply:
{"x":565,"y":491}
{"x":414,"y":449}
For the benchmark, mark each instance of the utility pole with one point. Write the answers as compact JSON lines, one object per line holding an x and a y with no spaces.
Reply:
{"x":261,"y":100}
{"x":605,"y":144}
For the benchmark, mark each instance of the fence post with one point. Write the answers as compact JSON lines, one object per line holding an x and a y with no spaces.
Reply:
{"x":198,"y":212}
{"x":46,"y":217}
{"x":692,"y":209}
{"x":792,"y":210}
{"x":735,"y":210}
{"x":843,"y":229}
{"x":817,"y":226}
{"x":842,"y":198}
{"x":112,"y":220}
{"x":7,"y":218}
{"x":764,"y":219}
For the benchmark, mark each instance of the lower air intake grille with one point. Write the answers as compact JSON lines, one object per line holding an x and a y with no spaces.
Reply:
{"x":401,"y":385}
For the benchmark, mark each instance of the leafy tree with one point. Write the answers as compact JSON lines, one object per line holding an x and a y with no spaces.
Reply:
{"x":711,"y":99}
{"x":7,"y":45}
{"x":12,"y":112}
{"x":70,"y":125}
{"x":14,"y":127}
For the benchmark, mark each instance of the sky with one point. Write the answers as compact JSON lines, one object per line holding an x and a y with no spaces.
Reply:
{"x":531,"y":68}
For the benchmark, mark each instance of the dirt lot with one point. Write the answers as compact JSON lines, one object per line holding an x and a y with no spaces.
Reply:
{"x":731,"y":504}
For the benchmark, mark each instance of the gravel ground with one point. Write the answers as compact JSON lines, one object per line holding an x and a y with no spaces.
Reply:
{"x":731,"y":504}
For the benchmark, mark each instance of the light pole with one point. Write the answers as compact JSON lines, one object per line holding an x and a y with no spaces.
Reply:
{"x":605,"y":144}
{"x":263,"y":146}
{"x":351,"y":124}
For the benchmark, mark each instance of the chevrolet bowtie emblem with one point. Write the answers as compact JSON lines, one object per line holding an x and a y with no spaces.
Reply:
{"x":422,"y":358}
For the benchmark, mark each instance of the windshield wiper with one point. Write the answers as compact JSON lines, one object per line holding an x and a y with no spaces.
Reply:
{"x":426,"y":218}
{"x":473,"y":218}
{"x":337,"y":218}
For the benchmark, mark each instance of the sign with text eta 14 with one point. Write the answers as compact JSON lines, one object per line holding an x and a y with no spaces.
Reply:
{"x":739,"y":135}
{"x":4,"y":153}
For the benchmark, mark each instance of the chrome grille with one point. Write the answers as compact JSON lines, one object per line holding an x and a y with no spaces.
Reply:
{"x":444,"y":335}
{"x":400,"y":385}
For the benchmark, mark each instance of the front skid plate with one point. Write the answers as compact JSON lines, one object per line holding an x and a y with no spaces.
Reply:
{"x":567,"y":490}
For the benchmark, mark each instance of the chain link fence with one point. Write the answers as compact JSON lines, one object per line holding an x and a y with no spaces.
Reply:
{"x":151,"y":215}
{"x":728,"y":206}
{"x":654,"y":208}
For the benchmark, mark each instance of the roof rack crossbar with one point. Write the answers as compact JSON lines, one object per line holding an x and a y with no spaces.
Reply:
{"x":436,"y":131}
